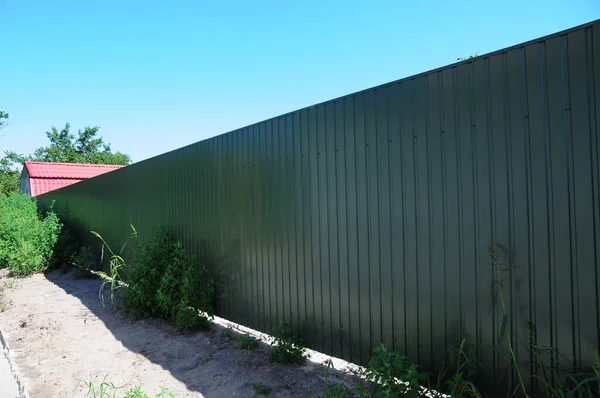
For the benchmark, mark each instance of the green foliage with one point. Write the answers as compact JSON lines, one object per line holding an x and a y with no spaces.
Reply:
{"x":261,"y":389}
{"x":288,"y":349}
{"x":105,"y":389}
{"x":164,"y":392}
{"x":164,"y":282}
{"x":3,"y":119}
{"x":136,"y":392}
{"x":469,"y":57}
{"x":85,"y":260}
{"x":246,"y":342}
{"x":27,"y":238}
{"x":10,"y":174}
{"x":555,"y":382}
{"x":457,"y":382}
{"x":499,"y":281}
{"x":226,"y":334}
{"x":9,"y":283}
{"x":337,"y":390}
{"x":144,"y":276}
{"x":65,"y":250}
{"x":116,"y":264}
{"x":393,"y":375}
{"x":85,"y":148}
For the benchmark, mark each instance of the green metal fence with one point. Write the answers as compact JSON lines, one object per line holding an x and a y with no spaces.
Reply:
{"x":368,"y":218}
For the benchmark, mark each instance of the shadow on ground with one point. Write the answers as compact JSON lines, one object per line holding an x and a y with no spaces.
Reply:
{"x":204,"y":361}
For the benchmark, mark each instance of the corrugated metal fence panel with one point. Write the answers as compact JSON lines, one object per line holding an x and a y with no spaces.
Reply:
{"x":368,"y":218}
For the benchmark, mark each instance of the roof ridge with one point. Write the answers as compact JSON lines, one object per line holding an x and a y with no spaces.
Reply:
{"x":75,"y":164}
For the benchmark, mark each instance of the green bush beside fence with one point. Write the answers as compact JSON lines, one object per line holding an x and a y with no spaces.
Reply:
{"x":27,"y":238}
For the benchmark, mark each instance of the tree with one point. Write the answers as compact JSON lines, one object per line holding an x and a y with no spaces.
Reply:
{"x":3,"y":119}
{"x":469,"y":57}
{"x":10,"y":179}
{"x":87,"y":147}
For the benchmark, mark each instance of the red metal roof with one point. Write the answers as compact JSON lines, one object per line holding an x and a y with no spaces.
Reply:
{"x":47,"y":176}
{"x":67,"y":170}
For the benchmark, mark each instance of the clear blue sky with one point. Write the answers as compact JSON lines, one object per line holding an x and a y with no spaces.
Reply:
{"x":156,"y":76}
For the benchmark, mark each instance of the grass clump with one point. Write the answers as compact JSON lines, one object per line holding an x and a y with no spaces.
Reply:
{"x":261,"y":389}
{"x":9,"y":283}
{"x":137,"y":392}
{"x":165,"y":282}
{"x":288,"y":349}
{"x":337,"y":390}
{"x":27,"y":238}
{"x":116,"y":265}
{"x":107,"y":389}
{"x":246,"y":342}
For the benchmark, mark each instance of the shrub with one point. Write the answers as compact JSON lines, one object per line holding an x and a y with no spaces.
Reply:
{"x":261,"y":389}
{"x":85,"y":259}
{"x":143,"y":276}
{"x":27,"y":238}
{"x":288,"y":349}
{"x":393,"y":375}
{"x":64,"y":250}
{"x":164,"y":282}
{"x":246,"y":342}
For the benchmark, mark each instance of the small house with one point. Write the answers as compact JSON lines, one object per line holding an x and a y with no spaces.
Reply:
{"x":37,"y":178}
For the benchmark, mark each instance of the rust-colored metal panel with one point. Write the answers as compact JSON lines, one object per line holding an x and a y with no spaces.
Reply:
{"x":368,"y":218}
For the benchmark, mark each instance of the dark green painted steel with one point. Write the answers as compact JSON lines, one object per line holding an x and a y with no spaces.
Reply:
{"x":368,"y":218}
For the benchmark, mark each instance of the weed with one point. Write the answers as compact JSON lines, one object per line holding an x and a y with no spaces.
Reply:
{"x":261,"y":389}
{"x":505,"y":327}
{"x":136,"y":392}
{"x":116,"y":263}
{"x":246,"y":342}
{"x":105,"y":389}
{"x":164,"y":282}
{"x":555,"y":382}
{"x":65,"y":249}
{"x":331,"y":391}
{"x":9,"y":283}
{"x":288,"y":350}
{"x":393,"y":375}
{"x":459,"y":384}
{"x":226,"y":334}
{"x":164,"y":393}
{"x":2,"y":307}
{"x":27,"y":238}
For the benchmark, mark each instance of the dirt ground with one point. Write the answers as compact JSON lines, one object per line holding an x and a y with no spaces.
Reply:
{"x":60,"y":335}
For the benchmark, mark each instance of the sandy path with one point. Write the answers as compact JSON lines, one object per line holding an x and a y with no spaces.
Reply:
{"x":60,"y":335}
